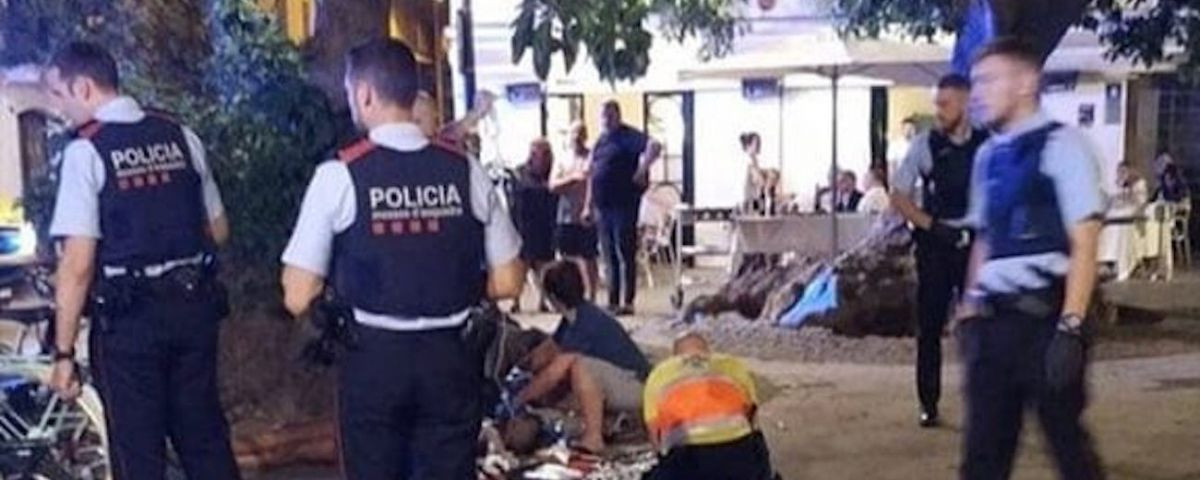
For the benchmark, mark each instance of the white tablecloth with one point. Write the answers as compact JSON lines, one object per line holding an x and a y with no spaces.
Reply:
{"x":809,"y":235}
{"x":1133,"y":234}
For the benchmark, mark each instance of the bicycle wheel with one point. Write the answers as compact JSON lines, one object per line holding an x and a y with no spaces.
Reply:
{"x":81,"y":444}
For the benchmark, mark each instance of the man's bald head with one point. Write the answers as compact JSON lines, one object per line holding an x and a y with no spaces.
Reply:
{"x":691,"y":343}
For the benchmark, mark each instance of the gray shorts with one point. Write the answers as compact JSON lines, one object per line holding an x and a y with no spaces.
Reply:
{"x":622,"y":388}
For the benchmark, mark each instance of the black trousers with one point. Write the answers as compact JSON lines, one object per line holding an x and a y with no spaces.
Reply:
{"x":409,"y":406}
{"x":619,"y":243}
{"x":156,"y":370}
{"x":744,"y":459}
{"x":1004,"y":356}
{"x":941,"y":271}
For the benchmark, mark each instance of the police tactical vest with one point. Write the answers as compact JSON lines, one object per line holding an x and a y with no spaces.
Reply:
{"x":151,"y":205}
{"x":947,"y":185}
{"x":415,"y":248}
{"x":1023,"y":216}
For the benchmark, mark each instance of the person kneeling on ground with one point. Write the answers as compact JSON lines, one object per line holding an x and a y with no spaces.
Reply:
{"x":700,"y":408}
{"x":579,"y":382}
{"x":585,"y":328}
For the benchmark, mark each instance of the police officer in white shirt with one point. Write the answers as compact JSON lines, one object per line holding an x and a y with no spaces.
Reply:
{"x":140,"y":217}
{"x":412,"y":236}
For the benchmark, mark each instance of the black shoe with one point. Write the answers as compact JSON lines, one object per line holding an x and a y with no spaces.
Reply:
{"x":626,"y":311}
{"x":929,"y":419}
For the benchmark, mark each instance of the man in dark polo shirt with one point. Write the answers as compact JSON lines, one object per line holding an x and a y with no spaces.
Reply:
{"x":619,"y":178}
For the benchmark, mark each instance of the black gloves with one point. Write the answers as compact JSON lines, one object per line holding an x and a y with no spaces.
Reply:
{"x":950,"y":236}
{"x":1065,"y":358}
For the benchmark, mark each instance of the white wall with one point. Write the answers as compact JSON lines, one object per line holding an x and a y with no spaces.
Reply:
{"x":1107,"y":140}
{"x":808,"y":140}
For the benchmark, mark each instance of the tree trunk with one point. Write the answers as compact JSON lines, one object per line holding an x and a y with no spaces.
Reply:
{"x":1043,"y":22}
{"x":341,"y":25}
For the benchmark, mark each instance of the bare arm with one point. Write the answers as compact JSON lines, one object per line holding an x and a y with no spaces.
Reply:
{"x":73,"y":278}
{"x":1081,"y":278}
{"x":563,"y":180}
{"x":300,"y":288}
{"x":218,"y":230}
{"x":505,"y":281}
{"x":910,"y":211}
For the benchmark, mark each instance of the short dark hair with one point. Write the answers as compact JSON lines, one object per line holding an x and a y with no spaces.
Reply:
{"x":954,"y":81}
{"x":86,"y":59}
{"x":563,"y":282}
{"x":1012,"y":48}
{"x":389,"y":66}
{"x":748,"y":138}
{"x":909,"y":120}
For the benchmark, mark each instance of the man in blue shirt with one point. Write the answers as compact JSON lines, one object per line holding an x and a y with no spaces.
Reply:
{"x":619,"y":178}
{"x":586,"y":328}
{"x":1036,"y":204}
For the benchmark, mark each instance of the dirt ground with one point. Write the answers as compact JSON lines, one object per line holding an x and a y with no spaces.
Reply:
{"x":838,"y":408}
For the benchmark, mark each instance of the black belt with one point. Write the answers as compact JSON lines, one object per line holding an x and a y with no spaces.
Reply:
{"x":1043,"y":302}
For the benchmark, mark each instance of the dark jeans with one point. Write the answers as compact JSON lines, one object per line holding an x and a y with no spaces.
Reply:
{"x":941,"y":271}
{"x":743,"y":459}
{"x":619,"y":241}
{"x":156,"y":371}
{"x":1005,"y":360}
{"x":408,"y":406}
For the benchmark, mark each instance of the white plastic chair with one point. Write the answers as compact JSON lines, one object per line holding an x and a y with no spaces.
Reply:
{"x":1181,"y":242}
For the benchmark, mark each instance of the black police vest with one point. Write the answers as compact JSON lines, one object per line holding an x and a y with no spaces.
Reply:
{"x":946,"y":187}
{"x":151,"y":206}
{"x":1023,"y":216}
{"x":415,"y":248}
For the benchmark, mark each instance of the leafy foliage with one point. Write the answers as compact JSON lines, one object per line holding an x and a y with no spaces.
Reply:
{"x":226,"y":69}
{"x":615,"y":33}
{"x":1142,"y":30}
{"x":916,"y":18}
{"x":264,"y":128}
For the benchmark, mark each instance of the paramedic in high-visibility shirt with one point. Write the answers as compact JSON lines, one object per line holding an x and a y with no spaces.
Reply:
{"x":699,"y":408}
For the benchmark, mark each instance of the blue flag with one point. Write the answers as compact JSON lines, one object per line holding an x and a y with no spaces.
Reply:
{"x":978,"y":28}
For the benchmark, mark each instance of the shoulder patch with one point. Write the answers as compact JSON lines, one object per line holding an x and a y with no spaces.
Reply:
{"x":89,"y":129}
{"x":355,"y":150}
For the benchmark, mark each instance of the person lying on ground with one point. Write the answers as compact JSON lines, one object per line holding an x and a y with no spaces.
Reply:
{"x":700,"y":409}
{"x":586,"y":328}
{"x":580,"y":383}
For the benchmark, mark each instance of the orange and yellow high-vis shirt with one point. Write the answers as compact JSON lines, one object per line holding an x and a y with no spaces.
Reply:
{"x":699,"y":400}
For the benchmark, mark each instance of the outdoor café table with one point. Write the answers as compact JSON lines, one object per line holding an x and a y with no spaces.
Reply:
{"x":808,"y":235}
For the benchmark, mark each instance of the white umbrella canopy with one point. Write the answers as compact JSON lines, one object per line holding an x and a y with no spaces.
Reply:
{"x":823,"y":52}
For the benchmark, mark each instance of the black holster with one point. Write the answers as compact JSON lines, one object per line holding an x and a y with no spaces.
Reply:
{"x":333,"y":320}
{"x":111,"y":298}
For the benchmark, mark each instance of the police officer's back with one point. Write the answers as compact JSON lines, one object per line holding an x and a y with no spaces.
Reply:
{"x":411,"y":235}
{"x":140,"y":215}
{"x":1037,"y":205}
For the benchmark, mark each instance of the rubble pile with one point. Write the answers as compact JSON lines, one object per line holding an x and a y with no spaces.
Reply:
{"x":875,"y":287}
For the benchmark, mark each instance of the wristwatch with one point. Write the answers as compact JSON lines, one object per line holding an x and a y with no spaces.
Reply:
{"x":64,"y":355}
{"x":1070,"y":323}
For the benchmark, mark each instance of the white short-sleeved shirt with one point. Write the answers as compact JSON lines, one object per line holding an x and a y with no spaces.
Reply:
{"x":1071,"y":162}
{"x":330,"y":207}
{"x":77,"y":208}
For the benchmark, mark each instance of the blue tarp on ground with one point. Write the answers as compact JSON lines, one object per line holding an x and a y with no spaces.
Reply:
{"x":820,"y":296}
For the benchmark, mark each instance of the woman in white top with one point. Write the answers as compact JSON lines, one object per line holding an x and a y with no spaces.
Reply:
{"x":1131,"y":191}
{"x":875,"y":197}
{"x":576,"y":238}
{"x":753,"y":195}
